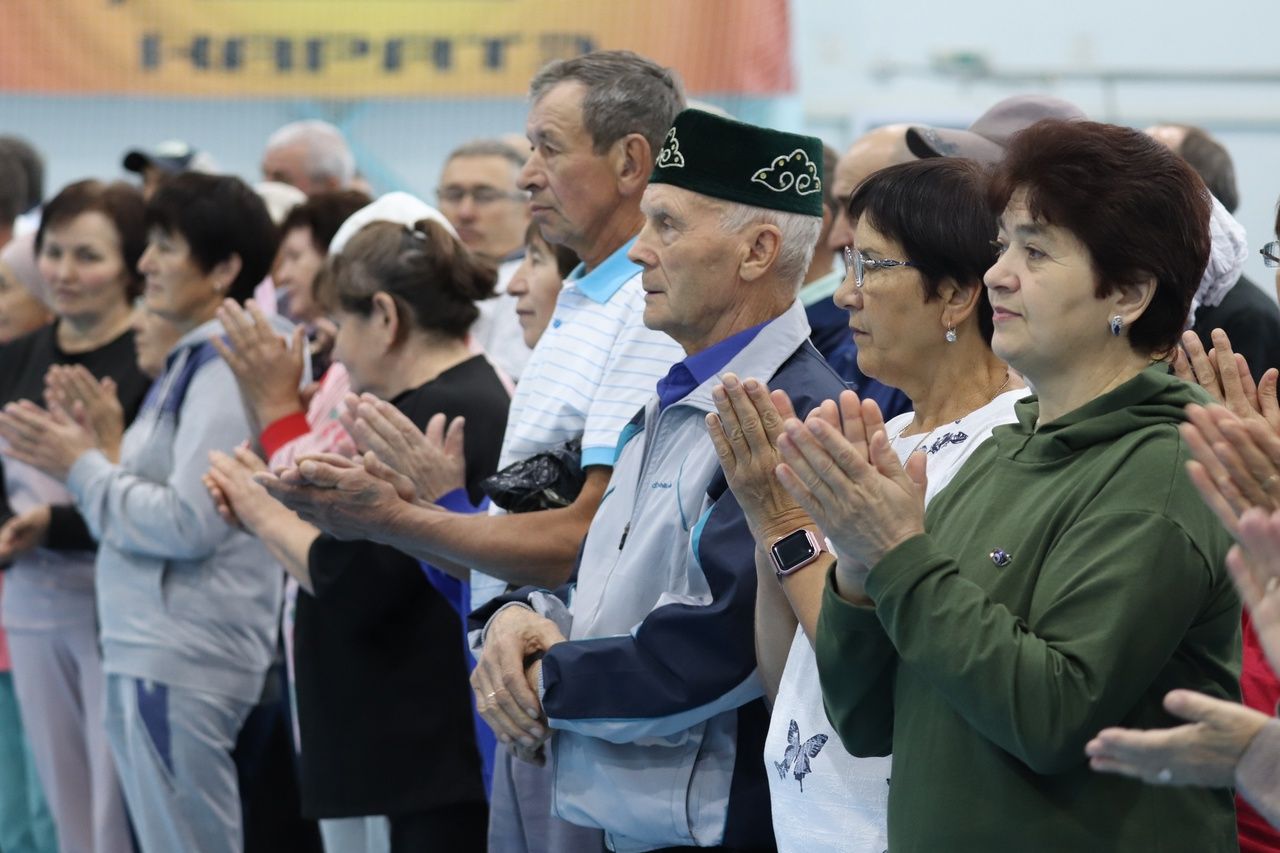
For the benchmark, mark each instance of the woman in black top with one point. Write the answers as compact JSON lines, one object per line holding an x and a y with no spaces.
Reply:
{"x":383,"y":705}
{"x":88,"y":246}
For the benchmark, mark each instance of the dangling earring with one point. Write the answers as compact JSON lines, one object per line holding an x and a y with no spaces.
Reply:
{"x":951,"y":334}
{"x":1117,"y":323}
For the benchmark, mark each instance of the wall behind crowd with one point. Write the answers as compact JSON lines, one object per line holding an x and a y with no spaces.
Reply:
{"x":858,"y":64}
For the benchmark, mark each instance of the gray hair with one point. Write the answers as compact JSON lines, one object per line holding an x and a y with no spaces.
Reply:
{"x":328,"y":156}
{"x":489,"y":148}
{"x":799,"y":235}
{"x":626,"y":93}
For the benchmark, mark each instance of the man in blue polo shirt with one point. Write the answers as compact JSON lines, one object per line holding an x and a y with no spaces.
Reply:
{"x":644,"y":669}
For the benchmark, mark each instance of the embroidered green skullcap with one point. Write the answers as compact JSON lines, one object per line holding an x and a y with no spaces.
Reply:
{"x":734,"y":161}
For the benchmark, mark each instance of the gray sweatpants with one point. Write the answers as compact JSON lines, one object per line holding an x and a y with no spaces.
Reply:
{"x":58,"y":677}
{"x":520,"y":819}
{"x":173,"y":749}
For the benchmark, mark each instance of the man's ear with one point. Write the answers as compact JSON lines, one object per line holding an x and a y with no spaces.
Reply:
{"x":762,"y":251}
{"x":632,"y":160}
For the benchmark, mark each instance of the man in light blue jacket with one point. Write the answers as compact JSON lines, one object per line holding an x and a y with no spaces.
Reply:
{"x":643,"y":669}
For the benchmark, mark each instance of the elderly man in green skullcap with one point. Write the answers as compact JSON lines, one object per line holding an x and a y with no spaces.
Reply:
{"x":643,"y":672}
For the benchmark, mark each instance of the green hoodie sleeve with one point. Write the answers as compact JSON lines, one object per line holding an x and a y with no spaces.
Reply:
{"x":1110,"y":603}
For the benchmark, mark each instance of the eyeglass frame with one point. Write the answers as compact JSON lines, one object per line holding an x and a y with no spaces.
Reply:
{"x":481,"y":195}
{"x":1271,"y":254}
{"x":860,"y":264}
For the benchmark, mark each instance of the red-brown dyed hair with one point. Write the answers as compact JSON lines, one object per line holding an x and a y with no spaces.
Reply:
{"x":1138,"y":208}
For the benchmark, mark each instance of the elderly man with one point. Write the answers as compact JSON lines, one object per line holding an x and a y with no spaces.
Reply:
{"x":311,"y":155}
{"x":595,"y":123}
{"x":479,"y":195}
{"x":647,"y":678}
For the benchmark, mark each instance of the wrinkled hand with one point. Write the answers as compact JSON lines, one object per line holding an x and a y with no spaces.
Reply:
{"x":24,"y":532}
{"x":1225,"y":376}
{"x":840,"y":468}
{"x":267,"y":368}
{"x":1204,"y":752}
{"x":242,"y":500}
{"x":1235,"y":462}
{"x":745,"y":431}
{"x":433,"y":460}
{"x":75,"y":389}
{"x":1254,"y":564}
{"x":337,"y":495}
{"x":505,"y":693}
{"x":50,"y":440}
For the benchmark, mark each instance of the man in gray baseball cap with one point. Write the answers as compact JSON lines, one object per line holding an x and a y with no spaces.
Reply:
{"x":986,"y":138}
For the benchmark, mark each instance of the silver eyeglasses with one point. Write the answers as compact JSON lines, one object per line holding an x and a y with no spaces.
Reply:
{"x":1271,"y":254}
{"x":481,"y":195}
{"x":860,"y":264}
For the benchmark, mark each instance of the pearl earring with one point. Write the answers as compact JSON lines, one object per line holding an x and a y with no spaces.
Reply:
{"x":1117,"y":323}
{"x":951,"y":335}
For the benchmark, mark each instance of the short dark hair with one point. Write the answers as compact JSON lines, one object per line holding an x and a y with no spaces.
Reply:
{"x":566,"y":259}
{"x":626,"y":93}
{"x":32,"y":164}
{"x":120,"y":202}
{"x":937,"y":210}
{"x":324,"y":214}
{"x":1139,"y":209}
{"x":13,"y":187}
{"x":423,"y":268}
{"x":218,"y":216}
{"x":1212,"y":162}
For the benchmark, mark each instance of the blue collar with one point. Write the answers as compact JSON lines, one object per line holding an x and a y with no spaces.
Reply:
{"x":688,"y":374}
{"x":601,"y":283}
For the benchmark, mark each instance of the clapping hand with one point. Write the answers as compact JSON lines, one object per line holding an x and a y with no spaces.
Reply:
{"x":75,"y":389}
{"x":424,"y":465}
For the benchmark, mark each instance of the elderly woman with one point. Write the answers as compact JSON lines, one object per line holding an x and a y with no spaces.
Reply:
{"x":187,"y":606}
{"x":917,"y":306}
{"x":87,"y":249}
{"x":1067,"y":576}
{"x":372,"y":631}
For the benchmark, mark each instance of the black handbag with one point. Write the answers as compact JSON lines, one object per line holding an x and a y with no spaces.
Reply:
{"x":546,"y":480}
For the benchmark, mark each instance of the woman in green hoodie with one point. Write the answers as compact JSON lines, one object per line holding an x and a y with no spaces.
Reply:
{"x":1069,"y":576}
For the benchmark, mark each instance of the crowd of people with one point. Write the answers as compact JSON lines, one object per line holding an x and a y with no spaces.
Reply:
{"x":671,"y":483}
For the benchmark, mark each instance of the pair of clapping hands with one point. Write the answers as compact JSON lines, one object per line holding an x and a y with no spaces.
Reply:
{"x":1235,"y":445}
{"x":396,"y":463}
{"x":82,"y":413}
{"x":836,"y":469}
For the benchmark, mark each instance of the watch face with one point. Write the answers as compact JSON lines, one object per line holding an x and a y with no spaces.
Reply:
{"x":794,"y":550}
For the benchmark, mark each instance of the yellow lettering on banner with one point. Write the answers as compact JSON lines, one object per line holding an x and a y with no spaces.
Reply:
{"x":372,"y":48}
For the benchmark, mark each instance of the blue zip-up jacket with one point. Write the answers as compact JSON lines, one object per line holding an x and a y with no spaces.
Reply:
{"x":655,"y":703}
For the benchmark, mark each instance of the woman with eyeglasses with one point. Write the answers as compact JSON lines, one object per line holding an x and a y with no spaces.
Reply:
{"x":1068,"y":575}
{"x":920,"y":315}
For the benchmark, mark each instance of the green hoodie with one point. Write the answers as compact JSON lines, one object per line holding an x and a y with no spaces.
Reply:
{"x":987,"y":680}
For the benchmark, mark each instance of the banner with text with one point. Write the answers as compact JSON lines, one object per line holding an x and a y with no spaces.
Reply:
{"x":377,"y":48}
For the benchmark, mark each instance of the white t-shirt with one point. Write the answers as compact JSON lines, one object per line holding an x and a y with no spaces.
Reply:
{"x":824,"y":798}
